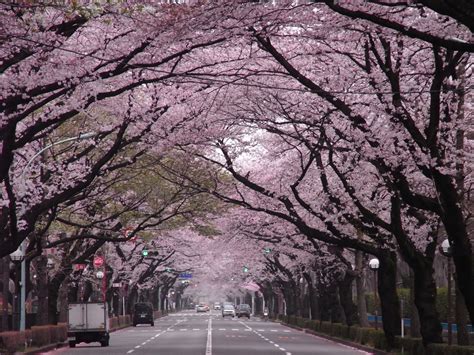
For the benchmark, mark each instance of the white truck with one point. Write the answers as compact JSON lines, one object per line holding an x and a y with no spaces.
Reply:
{"x":88,"y":322}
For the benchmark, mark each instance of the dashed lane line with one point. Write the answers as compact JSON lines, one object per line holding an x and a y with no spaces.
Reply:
{"x":153,"y":337}
{"x":266,"y":339}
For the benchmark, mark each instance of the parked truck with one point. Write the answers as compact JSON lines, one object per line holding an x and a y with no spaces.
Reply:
{"x":88,"y":322}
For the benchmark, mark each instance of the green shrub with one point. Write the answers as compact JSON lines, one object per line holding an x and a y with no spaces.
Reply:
{"x":41,"y":335}
{"x":28,"y":337}
{"x":326,"y":327}
{"x":62,"y":331}
{"x":378,"y":339}
{"x":444,"y":349}
{"x":114,"y":323}
{"x":300,"y":322}
{"x":11,"y":342}
{"x":410,"y":345}
{"x":53,"y":334}
{"x":340,"y":330}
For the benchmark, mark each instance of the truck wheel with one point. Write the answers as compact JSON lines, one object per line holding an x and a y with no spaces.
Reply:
{"x":152,"y":324}
{"x":104,"y":343}
{"x":72,"y":344}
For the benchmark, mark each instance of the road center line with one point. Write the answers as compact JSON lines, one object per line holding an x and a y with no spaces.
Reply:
{"x":209,"y":338}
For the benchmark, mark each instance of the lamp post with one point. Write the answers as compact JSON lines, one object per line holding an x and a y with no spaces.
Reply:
{"x":17,"y":256}
{"x":445,"y":249}
{"x":23,"y":244}
{"x":374,"y":266}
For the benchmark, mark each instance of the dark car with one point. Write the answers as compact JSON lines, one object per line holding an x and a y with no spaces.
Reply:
{"x":243,"y":310}
{"x":143,"y":314}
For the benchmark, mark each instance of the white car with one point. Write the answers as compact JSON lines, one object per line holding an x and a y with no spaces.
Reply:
{"x":217,"y":306}
{"x":202,"y":308}
{"x":228,"y":310}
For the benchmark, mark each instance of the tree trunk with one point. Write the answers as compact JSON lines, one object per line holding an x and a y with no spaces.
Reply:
{"x":42,"y":290}
{"x":345,"y":298}
{"x":53,"y":294}
{"x":425,"y":301}
{"x":5,"y":280}
{"x":361,"y":305}
{"x":461,"y":318}
{"x":329,"y":303}
{"x":414,"y":316}
{"x":313,"y":301}
{"x":456,"y":229}
{"x":389,"y":301}
{"x":63,"y":301}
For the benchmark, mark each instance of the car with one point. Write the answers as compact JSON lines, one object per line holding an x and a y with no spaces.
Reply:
{"x":143,"y":314}
{"x":201,"y":307}
{"x":243,"y":310}
{"x":228,"y":310}
{"x":217,"y":306}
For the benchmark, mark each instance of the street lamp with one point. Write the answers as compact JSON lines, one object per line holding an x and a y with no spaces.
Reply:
{"x":374,"y":265}
{"x":23,"y":244}
{"x":445,"y":249}
{"x":17,"y":256}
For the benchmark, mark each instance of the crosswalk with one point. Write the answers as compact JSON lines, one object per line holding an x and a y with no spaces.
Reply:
{"x":157,"y":329}
{"x":214,"y":316}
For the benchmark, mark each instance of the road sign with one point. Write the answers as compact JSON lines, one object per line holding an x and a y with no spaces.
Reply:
{"x":99,"y":274}
{"x":79,"y":266}
{"x":127,"y":232}
{"x":185,"y":275}
{"x":98,"y":261}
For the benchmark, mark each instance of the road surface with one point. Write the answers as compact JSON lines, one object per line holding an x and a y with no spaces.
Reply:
{"x":191,"y":333}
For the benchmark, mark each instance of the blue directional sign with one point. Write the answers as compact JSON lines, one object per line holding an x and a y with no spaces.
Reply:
{"x":186,"y":275}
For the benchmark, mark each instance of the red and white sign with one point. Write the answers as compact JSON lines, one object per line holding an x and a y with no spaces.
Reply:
{"x":127,"y":232}
{"x":98,"y":261}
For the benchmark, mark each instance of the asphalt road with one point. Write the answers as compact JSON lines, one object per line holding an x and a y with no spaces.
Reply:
{"x":191,"y":333}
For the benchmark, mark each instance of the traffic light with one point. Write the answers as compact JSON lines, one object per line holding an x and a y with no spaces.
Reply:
{"x":267,"y":250}
{"x":144,"y":252}
{"x":245,"y":269}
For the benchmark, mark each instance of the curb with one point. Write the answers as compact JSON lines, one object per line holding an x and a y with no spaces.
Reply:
{"x":338,"y":340}
{"x":43,"y":349}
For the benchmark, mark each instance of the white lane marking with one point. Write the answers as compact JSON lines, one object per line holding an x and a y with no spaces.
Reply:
{"x":234,"y":329}
{"x":274,"y":330}
{"x":209,"y":338}
{"x":183,"y":330}
{"x":195,"y":328}
{"x":130,"y":351}
{"x":221,"y":328}
{"x":137,"y":347}
{"x":256,"y":331}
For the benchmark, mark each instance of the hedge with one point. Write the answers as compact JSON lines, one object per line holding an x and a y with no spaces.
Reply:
{"x":13,"y":341}
{"x":375,"y":338}
{"x":10,"y":342}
